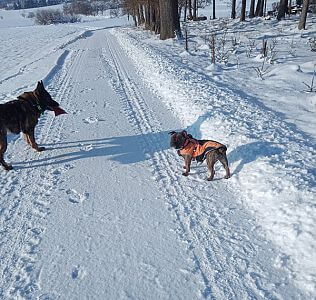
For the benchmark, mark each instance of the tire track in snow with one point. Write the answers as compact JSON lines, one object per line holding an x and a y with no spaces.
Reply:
{"x":221,"y":250}
{"x":27,"y":203}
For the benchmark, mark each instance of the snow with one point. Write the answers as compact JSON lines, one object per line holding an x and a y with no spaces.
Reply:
{"x":104,"y":213}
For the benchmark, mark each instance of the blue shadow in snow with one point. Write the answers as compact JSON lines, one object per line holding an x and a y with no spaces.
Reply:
{"x":250,"y":152}
{"x":123,"y":149}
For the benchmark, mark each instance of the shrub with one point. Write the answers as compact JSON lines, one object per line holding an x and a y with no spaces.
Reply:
{"x":31,"y":15}
{"x":54,"y":16}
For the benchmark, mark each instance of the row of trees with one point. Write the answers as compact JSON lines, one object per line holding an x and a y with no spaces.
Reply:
{"x":24,"y":4}
{"x":162,"y":16}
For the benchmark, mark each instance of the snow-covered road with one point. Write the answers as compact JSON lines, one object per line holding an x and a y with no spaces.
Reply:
{"x":104,"y":213}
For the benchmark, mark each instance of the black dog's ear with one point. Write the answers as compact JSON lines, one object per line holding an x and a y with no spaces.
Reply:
{"x":40,"y":85}
{"x":171,"y":132}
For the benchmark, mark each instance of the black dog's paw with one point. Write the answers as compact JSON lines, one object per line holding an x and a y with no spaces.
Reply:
{"x":185,"y":174}
{"x":227,"y":177}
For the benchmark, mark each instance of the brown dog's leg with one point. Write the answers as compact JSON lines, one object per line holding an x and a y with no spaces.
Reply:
{"x":224,"y":161}
{"x":187,"y":162}
{"x":31,"y":138}
{"x":3,"y":148}
{"x":211,"y":160}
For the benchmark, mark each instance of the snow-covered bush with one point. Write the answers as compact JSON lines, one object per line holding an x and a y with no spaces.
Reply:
{"x":54,"y":16}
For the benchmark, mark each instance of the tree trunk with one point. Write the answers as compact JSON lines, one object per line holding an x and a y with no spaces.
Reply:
{"x":252,"y":9}
{"x":258,"y":8}
{"x":290,"y":8}
{"x":233,"y":14}
{"x":194,"y":9}
{"x":243,"y":11}
{"x":302,"y":22}
{"x":185,"y":11}
{"x":147,"y":15}
{"x":157,"y":18}
{"x":141,"y":14}
{"x":282,"y":9}
{"x":190,"y":9}
{"x":262,"y":8}
{"x":176,"y":18}
{"x":166,"y":19}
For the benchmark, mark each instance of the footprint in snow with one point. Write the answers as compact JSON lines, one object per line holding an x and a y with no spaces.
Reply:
{"x":91,"y":120}
{"x":75,"y":197}
{"x":77,"y":272}
{"x":86,"y":147}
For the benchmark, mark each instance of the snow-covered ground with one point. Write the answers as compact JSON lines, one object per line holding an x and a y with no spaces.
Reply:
{"x":104,"y":213}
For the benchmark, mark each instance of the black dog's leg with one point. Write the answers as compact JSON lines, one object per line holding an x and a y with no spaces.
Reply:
{"x":30,"y":138}
{"x":3,"y":149}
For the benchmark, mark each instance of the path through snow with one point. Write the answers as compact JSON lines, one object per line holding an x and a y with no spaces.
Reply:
{"x":104,"y":213}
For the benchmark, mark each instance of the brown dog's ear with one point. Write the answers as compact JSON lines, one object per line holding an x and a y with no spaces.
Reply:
{"x":172,"y":132}
{"x":184,"y":133}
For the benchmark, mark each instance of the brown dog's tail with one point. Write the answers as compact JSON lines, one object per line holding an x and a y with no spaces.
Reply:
{"x":222,"y":149}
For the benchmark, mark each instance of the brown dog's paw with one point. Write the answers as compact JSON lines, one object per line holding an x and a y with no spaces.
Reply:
{"x":185,"y":174}
{"x":209,"y":178}
{"x":8,"y":167}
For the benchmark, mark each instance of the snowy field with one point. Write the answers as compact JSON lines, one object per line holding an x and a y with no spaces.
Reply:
{"x":104,"y":213}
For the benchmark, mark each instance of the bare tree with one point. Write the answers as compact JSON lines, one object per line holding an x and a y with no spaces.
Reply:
{"x":252,"y":9}
{"x":283,"y":9}
{"x":194,"y":9}
{"x":259,"y":8}
{"x":169,"y":18}
{"x":302,"y":22}
{"x":233,"y":13}
{"x":190,"y":9}
{"x":243,"y":10}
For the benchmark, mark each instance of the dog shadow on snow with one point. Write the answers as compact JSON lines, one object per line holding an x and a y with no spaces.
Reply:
{"x":248,"y":153}
{"x":123,"y":149}
{"x":138,"y":148}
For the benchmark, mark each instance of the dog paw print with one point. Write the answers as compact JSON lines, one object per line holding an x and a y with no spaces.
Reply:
{"x":76,"y":197}
{"x":91,"y":120}
{"x":77,"y":272}
{"x":87,"y":148}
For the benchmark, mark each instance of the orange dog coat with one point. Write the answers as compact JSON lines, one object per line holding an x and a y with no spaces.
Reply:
{"x":196,"y":148}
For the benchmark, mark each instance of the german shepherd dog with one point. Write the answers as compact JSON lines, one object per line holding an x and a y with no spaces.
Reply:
{"x":199,"y":150}
{"x":22,"y":115}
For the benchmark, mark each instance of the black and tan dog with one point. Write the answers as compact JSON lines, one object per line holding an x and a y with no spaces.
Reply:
{"x":22,"y":115}
{"x":199,"y":150}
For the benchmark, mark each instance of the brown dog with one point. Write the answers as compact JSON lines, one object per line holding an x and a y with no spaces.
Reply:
{"x":190,"y":149}
{"x":22,"y":115}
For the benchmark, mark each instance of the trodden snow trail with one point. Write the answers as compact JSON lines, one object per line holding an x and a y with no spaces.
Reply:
{"x":106,"y":214}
